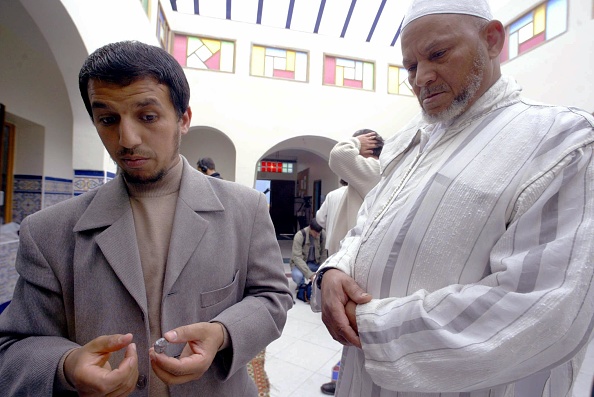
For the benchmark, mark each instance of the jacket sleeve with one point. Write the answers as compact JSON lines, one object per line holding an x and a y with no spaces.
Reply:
{"x":33,"y":327}
{"x":532,"y":313}
{"x":361,"y":173}
{"x":260,"y":316}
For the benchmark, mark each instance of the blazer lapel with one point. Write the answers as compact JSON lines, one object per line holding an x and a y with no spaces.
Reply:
{"x":195,"y":195}
{"x":111,"y":209}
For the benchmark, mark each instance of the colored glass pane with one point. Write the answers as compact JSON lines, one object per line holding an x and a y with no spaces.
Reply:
{"x":280,"y":63}
{"x":301,"y":67}
{"x":329,"y":70}
{"x":556,"y":18}
{"x":526,"y":33}
{"x":180,"y":45}
{"x":368,"y":76}
{"x":339,"y":76}
{"x":258,"y":54}
{"x":227,"y":56}
{"x":392,"y":80}
{"x":212,"y":45}
{"x":513,"y":45}
{"x":539,"y":19}
{"x":290,"y":61}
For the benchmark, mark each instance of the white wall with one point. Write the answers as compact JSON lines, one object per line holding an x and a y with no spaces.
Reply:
{"x":254,"y":111}
{"x":32,"y":88}
{"x":559,"y":71}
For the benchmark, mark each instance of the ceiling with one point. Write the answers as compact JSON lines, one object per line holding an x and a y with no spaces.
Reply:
{"x":374,"y":21}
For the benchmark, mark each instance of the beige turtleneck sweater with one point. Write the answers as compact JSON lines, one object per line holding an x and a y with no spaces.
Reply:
{"x":153,"y":206}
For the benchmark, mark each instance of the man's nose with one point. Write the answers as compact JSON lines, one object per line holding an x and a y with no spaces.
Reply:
{"x":130,"y":134}
{"x":425,"y":75}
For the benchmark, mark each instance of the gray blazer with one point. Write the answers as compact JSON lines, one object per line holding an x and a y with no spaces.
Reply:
{"x":81,"y":277}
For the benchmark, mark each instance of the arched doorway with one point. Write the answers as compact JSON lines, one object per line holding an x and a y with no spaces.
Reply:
{"x":296,"y":174}
{"x":205,"y":141}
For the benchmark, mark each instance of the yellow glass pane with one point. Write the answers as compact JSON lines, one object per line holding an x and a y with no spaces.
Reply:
{"x":212,"y":45}
{"x":290,"y":61}
{"x":392,"y":80}
{"x":540,"y":19}
{"x":258,"y":57}
{"x":339,"y":76}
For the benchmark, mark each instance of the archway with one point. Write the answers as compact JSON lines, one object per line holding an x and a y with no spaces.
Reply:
{"x":297,"y":176}
{"x":202,"y":141}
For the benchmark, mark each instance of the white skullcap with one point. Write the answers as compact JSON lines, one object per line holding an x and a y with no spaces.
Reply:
{"x":420,"y":8}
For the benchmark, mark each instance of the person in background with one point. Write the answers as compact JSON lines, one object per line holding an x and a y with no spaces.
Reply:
{"x":106,"y":274}
{"x":325,"y":216}
{"x":207,"y":166}
{"x":469,"y":271}
{"x":308,"y":252}
{"x":356,"y":160}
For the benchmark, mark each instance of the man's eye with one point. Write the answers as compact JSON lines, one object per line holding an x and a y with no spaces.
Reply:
{"x":438,"y":54}
{"x":106,"y":120}
{"x":149,"y":117}
{"x":411,"y":69}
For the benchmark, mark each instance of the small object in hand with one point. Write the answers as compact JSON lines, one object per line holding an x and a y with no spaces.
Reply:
{"x":161,"y":345}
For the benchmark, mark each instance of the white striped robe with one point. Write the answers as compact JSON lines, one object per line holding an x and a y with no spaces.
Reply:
{"x":478,"y":252}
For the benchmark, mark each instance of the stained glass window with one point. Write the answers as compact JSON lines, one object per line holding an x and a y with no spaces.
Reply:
{"x":279,"y":63}
{"x":398,"y":81}
{"x":204,"y":53}
{"x":275,"y":167}
{"x":543,"y":23}
{"x":343,"y":72}
{"x":162,"y":29}
{"x":145,"y":6}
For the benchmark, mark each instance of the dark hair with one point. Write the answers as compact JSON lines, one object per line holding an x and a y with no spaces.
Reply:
{"x":314,"y":225}
{"x":343,"y":182}
{"x":380,"y":141}
{"x":125,"y":62}
{"x":207,"y":163}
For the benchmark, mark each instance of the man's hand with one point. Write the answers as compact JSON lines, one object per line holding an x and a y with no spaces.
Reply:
{"x":88,"y":370}
{"x":340,"y":295}
{"x":368,"y":143}
{"x":203,"y":340}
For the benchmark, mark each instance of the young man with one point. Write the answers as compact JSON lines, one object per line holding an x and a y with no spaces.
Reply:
{"x":477,"y":243}
{"x":106,"y":274}
{"x":308,"y":252}
{"x":207,"y":166}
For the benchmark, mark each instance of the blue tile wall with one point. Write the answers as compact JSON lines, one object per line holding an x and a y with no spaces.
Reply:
{"x":85,"y":180}
{"x":26,"y":197}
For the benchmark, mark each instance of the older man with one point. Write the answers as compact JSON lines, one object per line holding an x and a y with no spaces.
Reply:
{"x":106,"y":274}
{"x":477,"y":244}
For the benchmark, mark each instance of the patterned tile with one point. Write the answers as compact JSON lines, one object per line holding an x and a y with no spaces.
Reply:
{"x":26,"y":198}
{"x":56,"y":190}
{"x":8,"y":274}
{"x":85,"y":180}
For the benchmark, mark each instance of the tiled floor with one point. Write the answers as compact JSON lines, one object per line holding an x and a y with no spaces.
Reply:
{"x":301,"y":360}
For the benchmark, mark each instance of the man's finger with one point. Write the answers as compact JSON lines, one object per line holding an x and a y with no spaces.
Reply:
{"x":108,"y":343}
{"x":354,"y":292}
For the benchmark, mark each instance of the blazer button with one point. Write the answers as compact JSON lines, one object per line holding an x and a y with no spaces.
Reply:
{"x":141,"y":383}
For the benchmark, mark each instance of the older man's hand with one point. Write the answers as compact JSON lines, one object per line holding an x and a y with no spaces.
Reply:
{"x":340,"y":295}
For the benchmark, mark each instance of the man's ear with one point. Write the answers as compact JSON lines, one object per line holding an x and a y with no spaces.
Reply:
{"x":185,"y":120}
{"x":494,"y":34}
